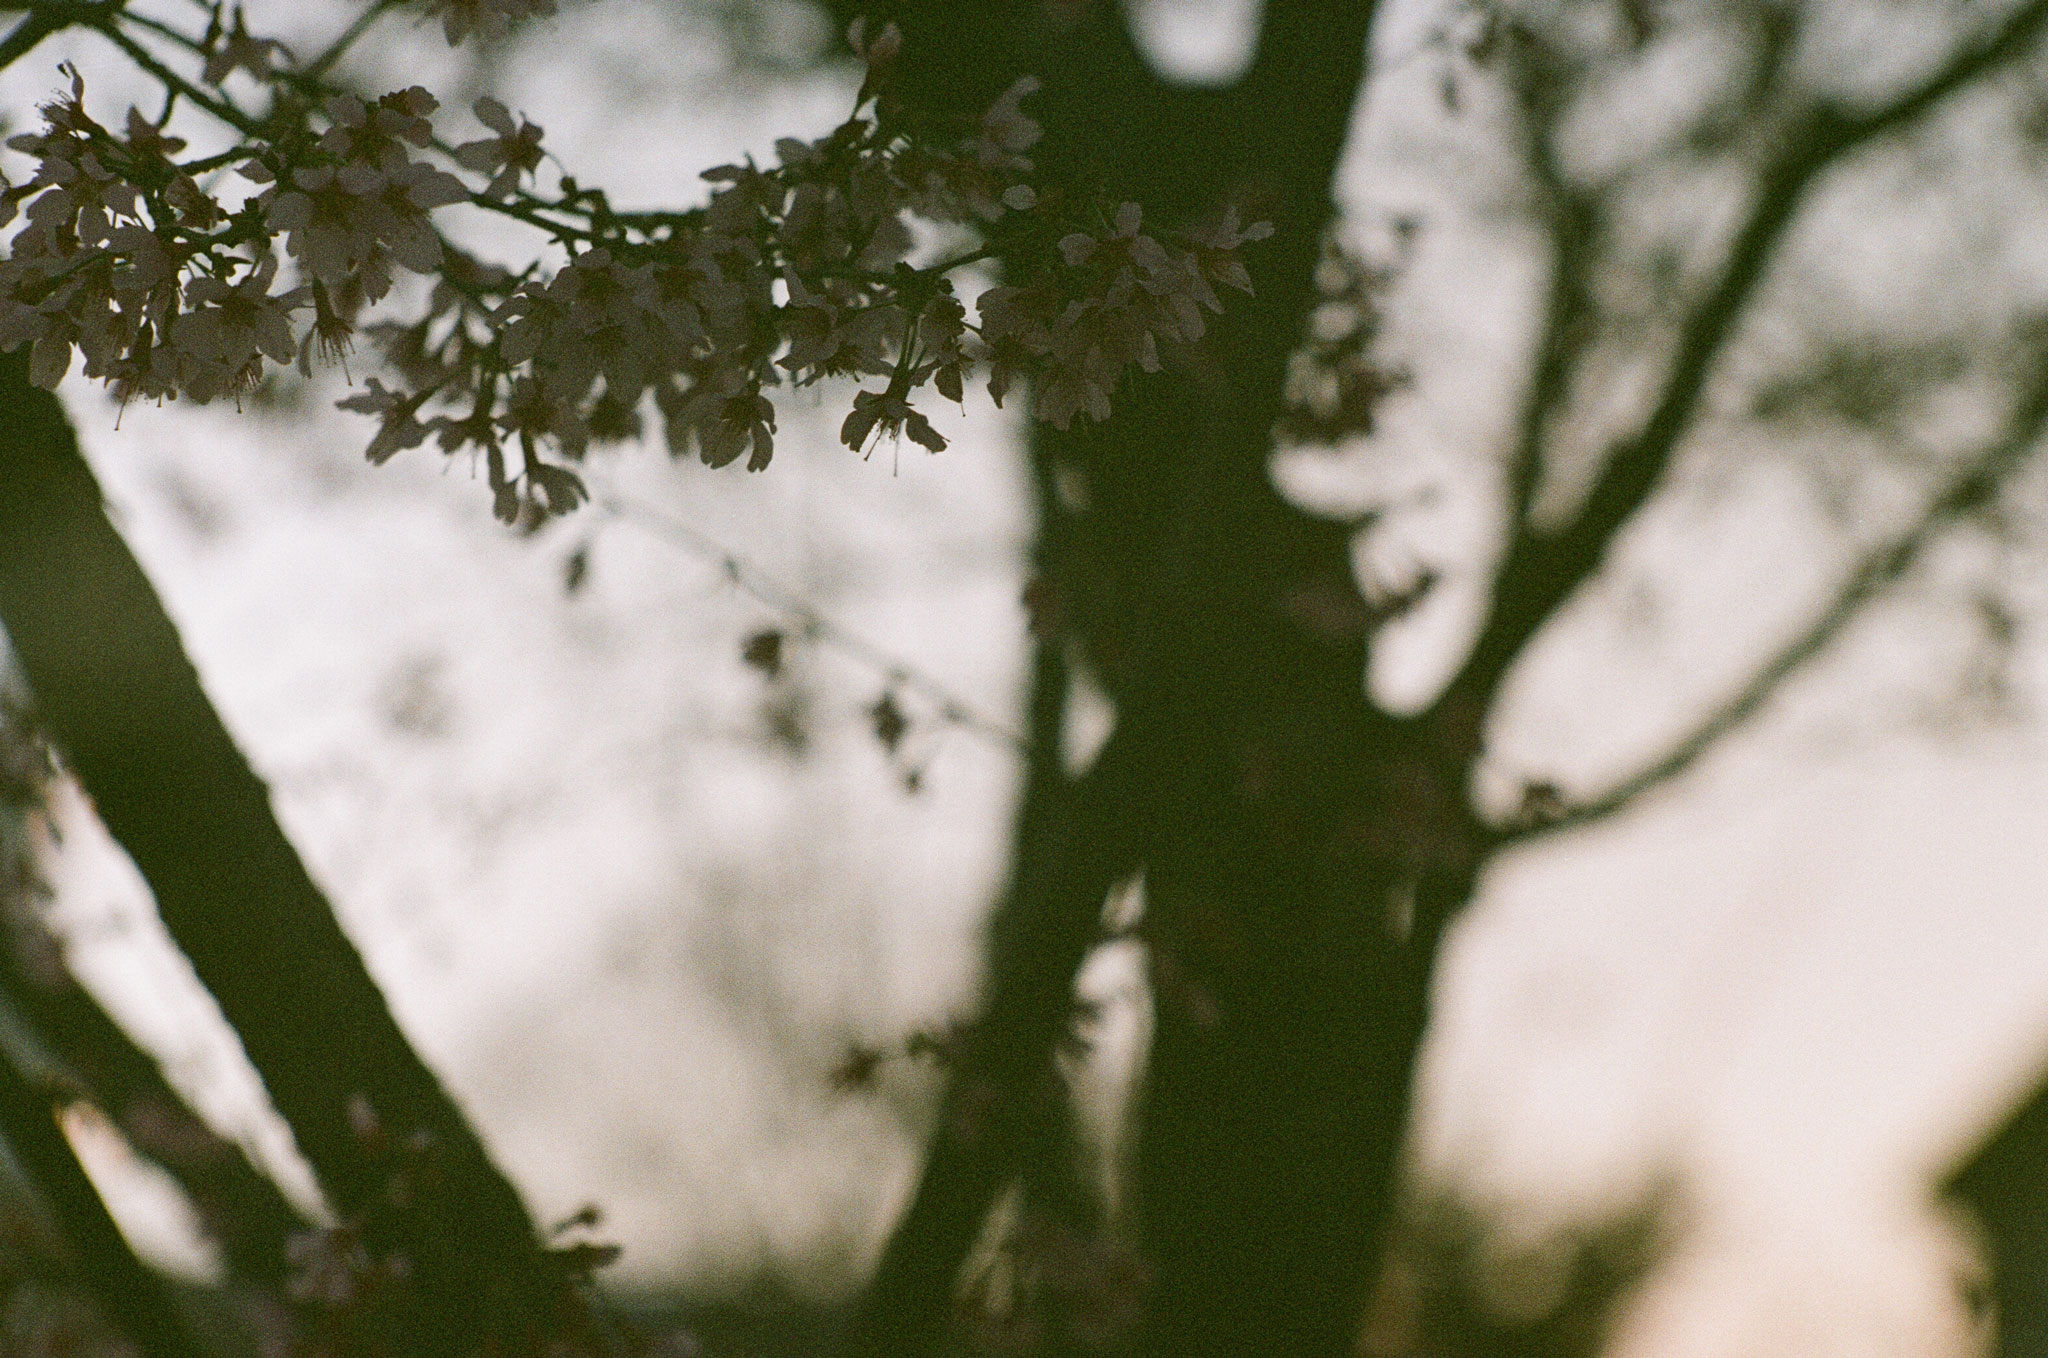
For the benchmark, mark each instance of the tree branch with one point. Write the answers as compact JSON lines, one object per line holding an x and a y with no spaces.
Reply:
{"x":1074,"y":846}
{"x":1569,"y":215}
{"x":1147,"y":597}
{"x":24,"y":36}
{"x":241,"y":1209}
{"x":122,"y":701}
{"x":1876,"y":572}
{"x":1541,"y":570}
{"x":132,"y":1295}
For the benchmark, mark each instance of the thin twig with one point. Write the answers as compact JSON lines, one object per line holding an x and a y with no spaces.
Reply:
{"x":812,"y":625}
{"x":24,"y":36}
{"x":337,"y":49}
{"x":47,"y":17}
{"x":1876,"y":572}
{"x":234,"y":117}
{"x":1540,"y":571}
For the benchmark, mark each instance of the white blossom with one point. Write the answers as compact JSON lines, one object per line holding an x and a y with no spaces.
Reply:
{"x":796,"y":272}
{"x":219,"y":342}
{"x":346,"y":222}
{"x":515,"y":151}
{"x":398,"y":413}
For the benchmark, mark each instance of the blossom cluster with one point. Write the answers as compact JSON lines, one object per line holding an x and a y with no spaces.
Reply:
{"x":788,"y":274}
{"x":126,"y":260}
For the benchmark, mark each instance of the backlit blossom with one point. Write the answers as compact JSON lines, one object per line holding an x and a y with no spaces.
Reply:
{"x":887,"y":412}
{"x":515,"y":151}
{"x":792,"y":271}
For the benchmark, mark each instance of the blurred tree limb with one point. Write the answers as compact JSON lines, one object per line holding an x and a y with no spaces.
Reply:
{"x":122,"y":702}
{"x":131,"y":1293}
{"x":1541,"y":569}
{"x":1965,"y":492}
{"x":239,"y":1206}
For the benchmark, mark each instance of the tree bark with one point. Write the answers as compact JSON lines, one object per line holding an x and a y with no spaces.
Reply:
{"x":2004,"y":1182}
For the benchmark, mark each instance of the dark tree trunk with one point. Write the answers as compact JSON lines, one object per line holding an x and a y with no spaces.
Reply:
{"x":122,"y":702}
{"x":1298,"y":846}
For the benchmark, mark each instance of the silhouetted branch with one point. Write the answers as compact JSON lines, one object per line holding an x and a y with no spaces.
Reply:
{"x":41,"y":18}
{"x":1569,"y":215}
{"x":23,"y":37}
{"x":133,"y":1296}
{"x":100,"y":1064}
{"x":122,"y":701}
{"x":240,"y":1208}
{"x":1541,"y":570}
{"x":1877,"y":571}
{"x":1073,"y":849}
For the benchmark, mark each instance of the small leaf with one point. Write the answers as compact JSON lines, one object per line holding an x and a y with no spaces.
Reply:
{"x":889,"y":722}
{"x":763,"y":651}
{"x":576,"y":570}
{"x":857,"y":1069}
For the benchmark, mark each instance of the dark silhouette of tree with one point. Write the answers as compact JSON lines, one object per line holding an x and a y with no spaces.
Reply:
{"x":1301,"y":847}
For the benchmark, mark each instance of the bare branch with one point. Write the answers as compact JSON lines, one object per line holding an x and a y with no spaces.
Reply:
{"x":1571,"y":214}
{"x":348,"y":38}
{"x":121,"y":699}
{"x":1874,"y":574}
{"x":1541,"y":570}
{"x":1079,"y":839}
{"x":22,"y":39}
{"x":240,"y":1208}
{"x":1568,"y":214}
